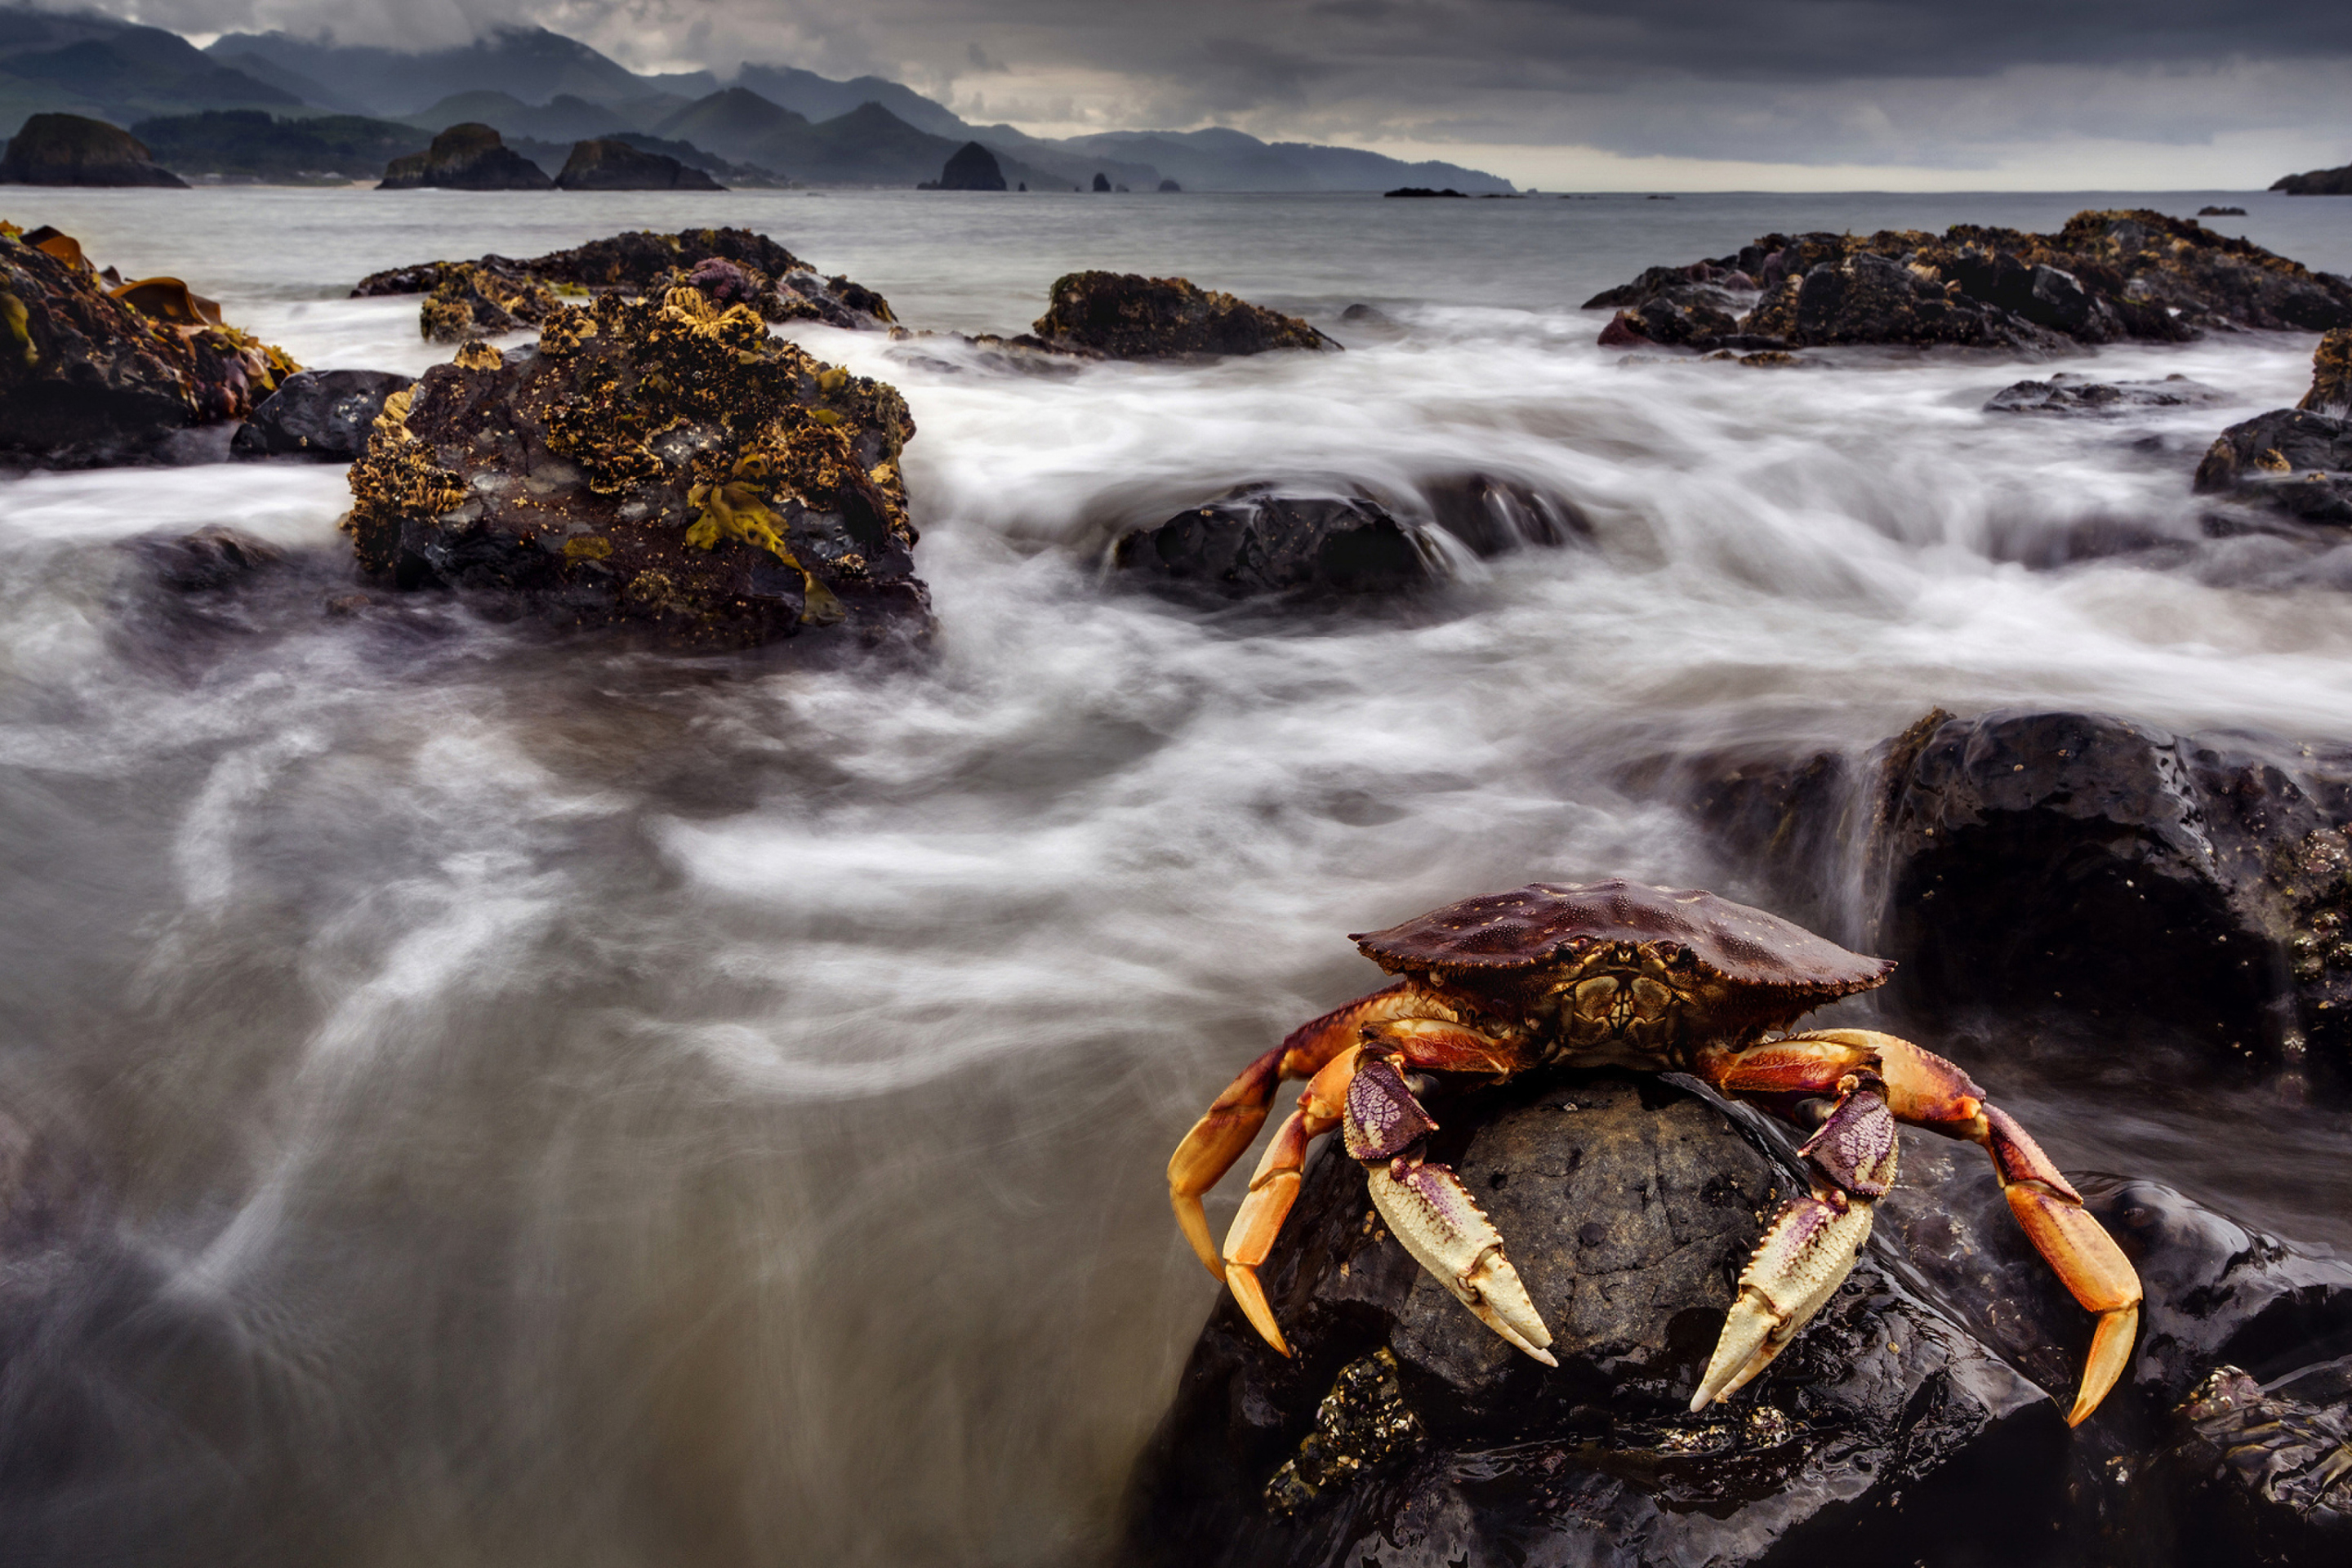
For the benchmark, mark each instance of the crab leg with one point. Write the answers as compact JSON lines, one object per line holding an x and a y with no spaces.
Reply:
{"x":1431,"y":1211}
{"x":1812,"y":1243}
{"x":1275,"y":1188}
{"x":1231,"y":1123}
{"x":1926,"y":1091}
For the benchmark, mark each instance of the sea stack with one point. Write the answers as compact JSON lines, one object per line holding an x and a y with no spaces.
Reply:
{"x":614,"y":165}
{"x":468,"y":157}
{"x":971,"y":167}
{"x":71,"y":150}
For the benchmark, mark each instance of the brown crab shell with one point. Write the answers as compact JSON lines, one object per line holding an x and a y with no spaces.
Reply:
{"x":1546,"y":924}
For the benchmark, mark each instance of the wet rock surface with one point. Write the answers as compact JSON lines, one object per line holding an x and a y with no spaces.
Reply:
{"x":1122,"y":315}
{"x":2263,"y":1475}
{"x":1628,"y":1216}
{"x":74,"y":149}
{"x":609,"y":166}
{"x":1250,"y":545}
{"x":468,"y":157}
{"x":2294,"y":461}
{"x":2105,"y":277}
{"x":666,"y":465}
{"x":2078,"y":863}
{"x":2331,"y":377}
{"x":138,"y":372}
{"x":493,"y":294}
{"x":322,"y":413}
{"x":2063,"y":393}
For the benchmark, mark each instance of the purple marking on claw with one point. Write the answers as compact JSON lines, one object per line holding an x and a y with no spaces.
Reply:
{"x":1383,"y":1120}
{"x":1442,"y":1195}
{"x":1855,"y":1147}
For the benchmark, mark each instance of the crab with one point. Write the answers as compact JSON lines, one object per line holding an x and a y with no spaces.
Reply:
{"x":1617,"y":974}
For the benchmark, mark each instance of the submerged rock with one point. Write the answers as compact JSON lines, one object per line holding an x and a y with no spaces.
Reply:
{"x":2063,"y":393}
{"x":91,"y":375}
{"x":1628,"y":1205}
{"x":2107,"y":276}
{"x":468,"y":157}
{"x":73,"y":150}
{"x":494,"y":294}
{"x":322,"y":413}
{"x":1260,"y":544}
{"x":609,"y":165}
{"x":668,"y":464}
{"x":1121,"y":315}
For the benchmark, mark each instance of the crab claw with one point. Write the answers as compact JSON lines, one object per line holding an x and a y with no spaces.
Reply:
{"x":1803,"y":1260}
{"x":1433,"y":1214}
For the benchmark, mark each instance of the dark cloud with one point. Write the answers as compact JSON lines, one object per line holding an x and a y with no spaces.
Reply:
{"x":1912,"y":83}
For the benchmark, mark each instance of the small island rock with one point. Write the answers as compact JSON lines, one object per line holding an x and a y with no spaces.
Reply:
{"x":1121,"y":315}
{"x":73,"y":150}
{"x":971,"y":167}
{"x":468,"y":157}
{"x":2317,"y":183}
{"x":608,"y":165}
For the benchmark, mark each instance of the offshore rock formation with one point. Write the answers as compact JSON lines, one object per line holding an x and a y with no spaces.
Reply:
{"x":91,"y":375}
{"x":2297,"y":462}
{"x":662,"y":463}
{"x":494,"y":294}
{"x":2317,"y":183}
{"x":322,"y":413}
{"x":468,"y":157}
{"x":606,"y":166}
{"x":971,"y":167}
{"x":2105,"y":277}
{"x":71,"y":150}
{"x":1122,"y":315}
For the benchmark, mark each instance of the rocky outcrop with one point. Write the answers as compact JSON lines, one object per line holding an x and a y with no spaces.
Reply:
{"x":2105,"y":277}
{"x":70,"y":149}
{"x":494,"y":294}
{"x":666,"y":464}
{"x":468,"y":157}
{"x":2294,"y":461}
{"x":2317,"y":183}
{"x":1121,"y":315}
{"x":2078,"y":865}
{"x":91,"y":375}
{"x":2064,"y":394}
{"x":322,"y":413}
{"x":2331,"y":377}
{"x":607,"y":166}
{"x":1401,"y":1431}
{"x":1261,"y":543}
{"x":971,"y":167}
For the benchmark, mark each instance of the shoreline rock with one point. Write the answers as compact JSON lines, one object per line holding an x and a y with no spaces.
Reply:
{"x":664,"y":464}
{"x":1126,"y":316}
{"x":74,"y":149}
{"x":2294,"y":461}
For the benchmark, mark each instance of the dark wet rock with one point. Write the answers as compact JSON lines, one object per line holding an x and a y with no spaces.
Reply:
{"x":72,"y":150}
{"x":1371,"y":314}
{"x":971,"y":167}
{"x":1670,"y":282}
{"x":1690,"y":315}
{"x":2285,"y":460}
{"x":1493,"y":516}
{"x":2317,"y":183}
{"x":2077,"y":864}
{"x":468,"y":157}
{"x":208,"y":561}
{"x":2064,"y":394}
{"x":609,"y":165}
{"x":667,"y":463}
{"x":1122,"y":315}
{"x":2105,"y":277}
{"x":1424,"y":192}
{"x":494,"y":294}
{"x":1261,"y":543}
{"x":324,"y":414}
{"x":2331,"y":377}
{"x":1874,"y":1438}
{"x":2261,"y":1474}
{"x":140,"y":371}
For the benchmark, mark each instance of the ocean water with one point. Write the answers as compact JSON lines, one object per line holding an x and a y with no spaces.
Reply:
{"x":512,"y":1101}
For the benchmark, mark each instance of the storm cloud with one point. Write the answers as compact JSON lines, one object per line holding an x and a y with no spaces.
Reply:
{"x":2102,"y":90}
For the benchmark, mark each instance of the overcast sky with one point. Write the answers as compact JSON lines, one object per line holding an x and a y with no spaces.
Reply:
{"x":1659,"y":94}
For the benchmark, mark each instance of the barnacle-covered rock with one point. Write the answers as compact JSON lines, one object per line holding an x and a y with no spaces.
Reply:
{"x":493,"y":294}
{"x":91,"y":375}
{"x":1121,"y":315}
{"x":2105,"y":277}
{"x":663,"y":462}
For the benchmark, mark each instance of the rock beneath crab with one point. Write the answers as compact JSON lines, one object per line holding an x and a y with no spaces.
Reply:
{"x":1628,"y":1218}
{"x":93,"y":375}
{"x":665,"y":464}
{"x":2259,"y":1475}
